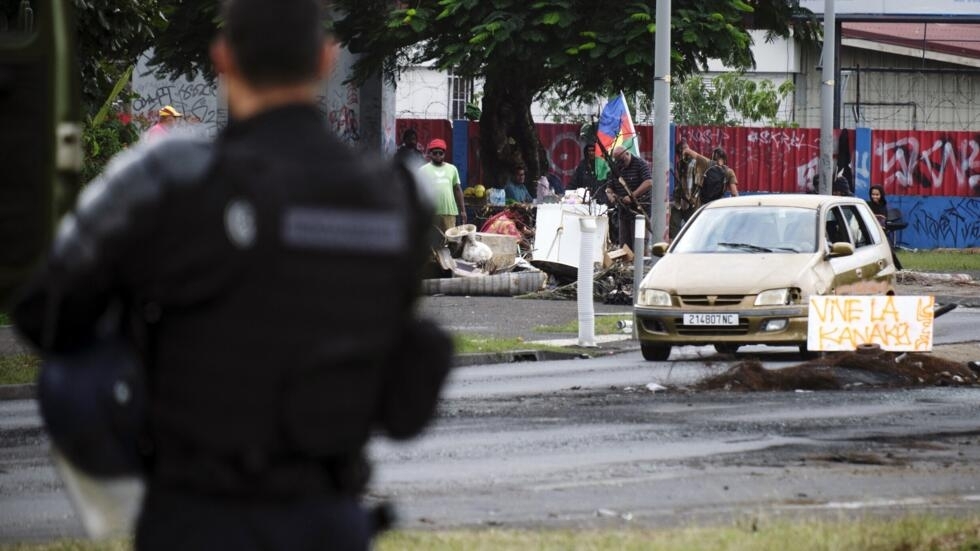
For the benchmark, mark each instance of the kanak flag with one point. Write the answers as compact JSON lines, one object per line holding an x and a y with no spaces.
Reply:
{"x":615,"y":129}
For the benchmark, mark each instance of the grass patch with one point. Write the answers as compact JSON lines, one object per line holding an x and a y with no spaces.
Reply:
{"x":939,"y":261}
{"x":71,"y":545}
{"x":604,"y":325}
{"x":469,"y":344}
{"x":4,"y":319}
{"x":18,"y":369}
{"x":913,"y":533}
{"x":910,"y":534}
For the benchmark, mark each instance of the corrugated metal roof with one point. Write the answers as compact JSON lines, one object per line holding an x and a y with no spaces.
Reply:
{"x":960,"y":39}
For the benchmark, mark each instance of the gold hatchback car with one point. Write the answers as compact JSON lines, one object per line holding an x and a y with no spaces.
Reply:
{"x":742,"y":270}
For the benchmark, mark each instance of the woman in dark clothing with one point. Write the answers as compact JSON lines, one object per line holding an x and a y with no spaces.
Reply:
{"x":878,"y":203}
{"x":879,"y":206}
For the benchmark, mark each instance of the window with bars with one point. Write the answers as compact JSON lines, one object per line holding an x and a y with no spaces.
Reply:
{"x":460,"y":93}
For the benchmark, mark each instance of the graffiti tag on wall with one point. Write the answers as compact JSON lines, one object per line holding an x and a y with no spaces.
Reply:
{"x":196,"y":99}
{"x":929,"y":163}
{"x":952,"y":222}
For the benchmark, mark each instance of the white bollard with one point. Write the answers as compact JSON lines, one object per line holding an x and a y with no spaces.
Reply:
{"x":586,"y":271}
{"x":639,"y":236}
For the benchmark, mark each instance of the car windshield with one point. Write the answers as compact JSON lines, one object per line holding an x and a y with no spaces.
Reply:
{"x":750,"y":230}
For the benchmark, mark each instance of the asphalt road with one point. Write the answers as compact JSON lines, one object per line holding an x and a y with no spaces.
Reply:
{"x":587,"y":443}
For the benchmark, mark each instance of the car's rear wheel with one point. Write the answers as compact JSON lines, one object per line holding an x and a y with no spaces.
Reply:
{"x":726,"y":348}
{"x":655,"y":352}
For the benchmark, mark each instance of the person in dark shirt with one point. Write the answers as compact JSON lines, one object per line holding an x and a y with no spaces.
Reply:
{"x":584,"y":176}
{"x":878,"y":203}
{"x":408,"y":152}
{"x":635,"y":173}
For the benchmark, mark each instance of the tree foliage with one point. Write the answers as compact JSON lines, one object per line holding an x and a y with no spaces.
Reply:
{"x":521,"y":48}
{"x":110,"y":34}
{"x":575,"y":48}
{"x":729,"y":99}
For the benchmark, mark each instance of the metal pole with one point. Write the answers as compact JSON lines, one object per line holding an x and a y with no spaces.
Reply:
{"x":827,"y":89}
{"x":661,"y":124}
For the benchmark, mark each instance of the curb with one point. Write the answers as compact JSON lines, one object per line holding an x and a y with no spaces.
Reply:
{"x":27,"y":391}
{"x":479,"y":358}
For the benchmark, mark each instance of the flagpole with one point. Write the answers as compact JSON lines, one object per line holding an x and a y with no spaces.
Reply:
{"x":661,"y":123}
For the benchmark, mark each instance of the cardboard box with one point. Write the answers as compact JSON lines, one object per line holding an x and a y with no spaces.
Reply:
{"x":622,"y":254}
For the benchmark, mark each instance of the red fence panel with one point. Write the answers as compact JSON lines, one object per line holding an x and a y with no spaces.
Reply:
{"x":764,"y":159}
{"x":427,"y":130}
{"x":926,"y":162}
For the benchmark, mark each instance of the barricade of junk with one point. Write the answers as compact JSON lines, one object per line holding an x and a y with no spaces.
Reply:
{"x":529,"y":250}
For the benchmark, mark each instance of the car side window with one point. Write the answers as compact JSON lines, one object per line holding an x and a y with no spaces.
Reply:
{"x":835,"y":227}
{"x":855,"y":223}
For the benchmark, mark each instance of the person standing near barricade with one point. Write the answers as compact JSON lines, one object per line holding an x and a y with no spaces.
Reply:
{"x":688,"y":176}
{"x":635,"y":173}
{"x":718,"y":177}
{"x":408,"y":152}
{"x":243,"y":277}
{"x":584,"y":176}
{"x":444,"y":185}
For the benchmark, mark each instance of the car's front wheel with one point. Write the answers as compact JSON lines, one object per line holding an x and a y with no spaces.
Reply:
{"x":655,"y":352}
{"x":726,"y":348}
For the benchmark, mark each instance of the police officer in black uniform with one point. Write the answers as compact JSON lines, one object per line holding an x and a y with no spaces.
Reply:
{"x":266,"y":281}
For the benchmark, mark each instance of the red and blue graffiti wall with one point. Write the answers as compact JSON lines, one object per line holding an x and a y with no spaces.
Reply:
{"x":932,"y":177}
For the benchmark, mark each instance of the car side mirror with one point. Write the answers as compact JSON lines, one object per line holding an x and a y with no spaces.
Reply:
{"x":659,"y":249}
{"x":840,"y":248}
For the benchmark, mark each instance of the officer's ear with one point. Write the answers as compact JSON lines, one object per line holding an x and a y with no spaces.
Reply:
{"x":224,"y":61}
{"x":328,"y":58}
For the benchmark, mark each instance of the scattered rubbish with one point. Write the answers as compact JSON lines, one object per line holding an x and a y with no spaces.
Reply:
{"x":845,"y":370}
{"x":611,"y":513}
{"x":802,"y":391}
{"x":626,"y":326}
{"x":654,"y":387}
{"x":901,"y":357}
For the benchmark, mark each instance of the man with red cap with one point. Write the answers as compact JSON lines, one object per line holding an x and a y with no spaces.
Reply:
{"x":442,"y":178}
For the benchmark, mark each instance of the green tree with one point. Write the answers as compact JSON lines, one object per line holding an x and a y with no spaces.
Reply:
{"x":522,"y":49}
{"x":731,"y":99}
{"x":110,"y":34}
{"x":574,"y":48}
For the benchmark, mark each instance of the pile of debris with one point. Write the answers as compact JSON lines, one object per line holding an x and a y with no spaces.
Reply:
{"x":869,"y":367}
{"x":481,"y":263}
{"x":495,"y":262}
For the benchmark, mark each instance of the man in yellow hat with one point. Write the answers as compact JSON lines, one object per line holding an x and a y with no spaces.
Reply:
{"x":168,"y":118}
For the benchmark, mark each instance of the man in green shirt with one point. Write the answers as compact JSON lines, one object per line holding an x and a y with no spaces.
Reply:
{"x":442,"y":179}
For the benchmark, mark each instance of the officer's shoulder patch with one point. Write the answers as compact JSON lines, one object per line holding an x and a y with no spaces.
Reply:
{"x":371,"y":232}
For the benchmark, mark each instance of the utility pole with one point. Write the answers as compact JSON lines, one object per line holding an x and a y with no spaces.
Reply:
{"x":827,"y":90}
{"x":661,"y":124}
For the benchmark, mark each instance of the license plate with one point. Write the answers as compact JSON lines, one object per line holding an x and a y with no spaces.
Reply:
{"x":710,"y":319}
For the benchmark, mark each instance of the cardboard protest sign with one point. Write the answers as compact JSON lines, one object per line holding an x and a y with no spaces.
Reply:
{"x":894,"y":323}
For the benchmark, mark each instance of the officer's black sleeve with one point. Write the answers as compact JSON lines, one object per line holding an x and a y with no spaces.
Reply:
{"x":59,"y":308}
{"x":422,"y":355}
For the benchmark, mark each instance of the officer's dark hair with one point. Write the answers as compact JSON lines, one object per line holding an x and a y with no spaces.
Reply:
{"x":409,"y":132}
{"x":719,"y":153}
{"x":274,"y":43}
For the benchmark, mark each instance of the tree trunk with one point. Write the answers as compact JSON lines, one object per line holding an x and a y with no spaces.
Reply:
{"x":508,"y":137}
